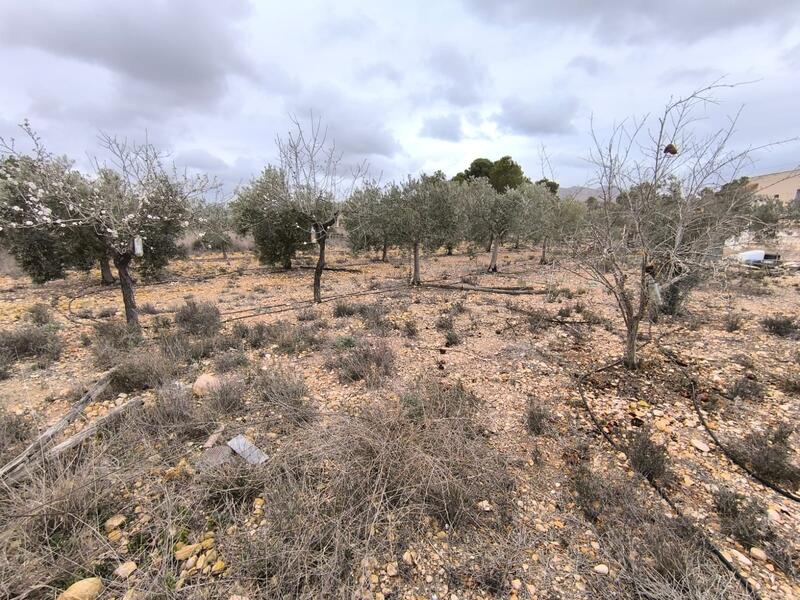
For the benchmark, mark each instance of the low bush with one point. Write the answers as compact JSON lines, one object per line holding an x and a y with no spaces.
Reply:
{"x":743,"y":519}
{"x":368,"y":362}
{"x":648,"y":458}
{"x":291,"y":339}
{"x":14,"y":430}
{"x":410,"y":328}
{"x":746,"y":388}
{"x":769,"y":455}
{"x":173,"y":412}
{"x":307,"y":314}
{"x":40,"y":314}
{"x":227,"y":397}
{"x":732,"y":322}
{"x":30,"y":341}
{"x":342,"y":308}
{"x":780,"y":325}
{"x":230,"y":360}
{"x":790,"y":384}
{"x":141,"y":371}
{"x":198,"y":318}
{"x":451,"y":338}
{"x":287,"y":392}
{"x":537,"y":417}
{"x":445,"y":323}
{"x":112,"y":340}
{"x":51,"y":523}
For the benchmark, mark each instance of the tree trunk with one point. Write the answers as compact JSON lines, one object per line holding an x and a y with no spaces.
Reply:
{"x":287,"y":262}
{"x":122,"y":261}
{"x":493,"y":261}
{"x":321,"y":241}
{"x":385,"y":251}
{"x":106,"y":276}
{"x":631,"y":360}
{"x":517,"y":242}
{"x":415,"y":277}
{"x":489,"y":245}
{"x":224,"y":252}
{"x":449,"y":250}
{"x":543,"y":259}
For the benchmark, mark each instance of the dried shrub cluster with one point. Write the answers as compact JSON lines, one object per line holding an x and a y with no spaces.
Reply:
{"x":198,"y":318}
{"x":370,"y":362}
{"x":30,"y":341}
{"x":361,"y":487}
{"x":769,"y":455}
{"x":659,"y":556}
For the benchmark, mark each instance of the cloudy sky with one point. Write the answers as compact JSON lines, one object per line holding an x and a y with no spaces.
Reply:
{"x":409,"y":86}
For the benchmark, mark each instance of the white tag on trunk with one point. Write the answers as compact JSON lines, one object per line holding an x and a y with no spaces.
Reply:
{"x":138,"y":246}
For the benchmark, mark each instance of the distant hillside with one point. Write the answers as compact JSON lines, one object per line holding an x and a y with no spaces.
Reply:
{"x":578,"y":192}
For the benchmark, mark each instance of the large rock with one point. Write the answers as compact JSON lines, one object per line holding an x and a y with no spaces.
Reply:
{"x":85,"y":589}
{"x":204,"y":384}
{"x":125,"y":570}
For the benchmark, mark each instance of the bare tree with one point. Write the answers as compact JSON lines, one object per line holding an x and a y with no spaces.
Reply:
{"x":314,"y":184}
{"x":663,"y":216}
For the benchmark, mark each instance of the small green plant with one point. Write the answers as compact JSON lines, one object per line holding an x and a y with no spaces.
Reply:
{"x":345,"y":341}
{"x":451,"y":338}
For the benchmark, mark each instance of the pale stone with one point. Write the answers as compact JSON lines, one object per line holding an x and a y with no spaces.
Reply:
{"x":700,"y":445}
{"x":125,"y":569}
{"x":204,"y":384}
{"x":741,"y":557}
{"x":408,"y":558}
{"x":516,"y":584}
{"x":391,"y":569}
{"x":187,"y":551}
{"x":601,"y":569}
{"x":758,"y":554}
{"x":85,"y":589}
{"x":218,"y":567}
{"x":114,"y":522}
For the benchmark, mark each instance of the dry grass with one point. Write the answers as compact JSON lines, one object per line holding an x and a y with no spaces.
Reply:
{"x":31,"y":341}
{"x":648,"y":458}
{"x":198,"y":318}
{"x":368,"y":362}
{"x":287,"y":392}
{"x":362,"y":486}
{"x":780,"y":325}
{"x":769,"y":454}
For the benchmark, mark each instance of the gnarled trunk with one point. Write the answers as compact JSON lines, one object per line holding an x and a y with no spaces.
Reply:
{"x":385,"y":251}
{"x":493,"y":261}
{"x":321,"y":241}
{"x":321,"y":233}
{"x":543,"y":259}
{"x":287,"y":262}
{"x":415,"y":276}
{"x":122,"y":262}
{"x":491,"y":242}
{"x":632,"y":331}
{"x":106,"y":276}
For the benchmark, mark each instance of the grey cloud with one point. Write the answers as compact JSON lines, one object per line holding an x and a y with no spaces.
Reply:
{"x":181,"y":50}
{"x":375,"y":71}
{"x":339,"y":28}
{"x":642,"y":22}
{"x":587,"y":64}
{"x":550,"y":115}
{"x":461,"y":78}
{"x":202,"y":160}
{"x":698,"y":75}
{"x":358,"y":127}
{"x":446,"y":128}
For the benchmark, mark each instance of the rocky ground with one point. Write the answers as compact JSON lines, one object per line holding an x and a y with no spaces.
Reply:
{"x":162,"y":530}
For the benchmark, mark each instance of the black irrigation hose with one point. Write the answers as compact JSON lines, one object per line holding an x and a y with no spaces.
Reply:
{"x":731,"y":456}
{"x":709,"y":545}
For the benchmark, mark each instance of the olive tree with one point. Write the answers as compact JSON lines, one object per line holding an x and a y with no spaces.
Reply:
{"x":367,"y":219}
{"x":494,"y":215}
{"x":414,"y":215}
{"x":262,"y":208}
{"x":659,"y":221}
{"x":135,"y":205}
